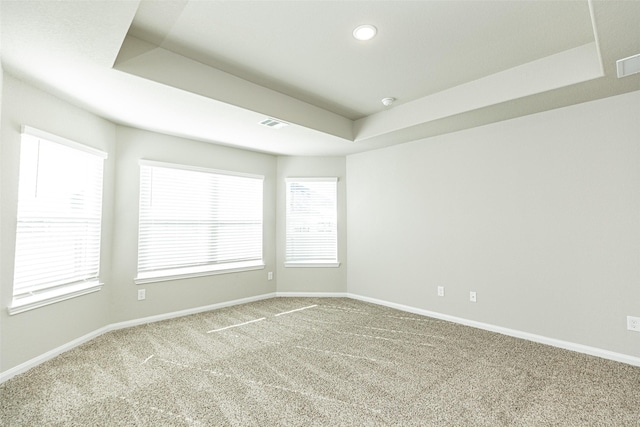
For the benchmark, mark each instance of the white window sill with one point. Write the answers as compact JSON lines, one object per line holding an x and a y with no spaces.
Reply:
{"x":186,"y":273}
{"x":26,"y":303}
{"x":311,"y":264}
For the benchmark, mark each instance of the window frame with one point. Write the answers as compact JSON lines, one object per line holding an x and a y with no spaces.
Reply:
{"x":310,"y":263}
{"x":168,"y":274}
{"x":42,"y":295}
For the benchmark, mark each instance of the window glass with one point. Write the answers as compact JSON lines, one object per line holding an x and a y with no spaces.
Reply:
{"x":197,"y":221}
{"x":59,"y":215}
{"x":311,"y":230}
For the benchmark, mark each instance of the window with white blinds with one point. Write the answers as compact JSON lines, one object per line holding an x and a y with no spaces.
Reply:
{"x":196,"y":221}
{"x":312,"y":225}
{"x":58,"y":219}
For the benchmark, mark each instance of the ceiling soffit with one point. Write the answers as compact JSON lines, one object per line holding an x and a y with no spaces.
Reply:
{"x":171,"y":43}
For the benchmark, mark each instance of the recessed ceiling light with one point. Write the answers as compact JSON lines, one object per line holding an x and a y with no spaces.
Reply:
{"x":365,"y":32}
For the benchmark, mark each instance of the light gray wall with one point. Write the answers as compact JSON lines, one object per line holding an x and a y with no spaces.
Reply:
{"x":312,"y":279}
{"x":163,"y":297}
{"x":539,"y":215}
{"x":2,"y":244}
{"x":32,"y":333}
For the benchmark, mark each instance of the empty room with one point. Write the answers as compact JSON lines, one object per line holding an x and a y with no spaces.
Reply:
{"x":297,"y":213}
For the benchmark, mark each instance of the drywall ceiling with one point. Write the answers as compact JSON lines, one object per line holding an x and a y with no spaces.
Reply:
{"x":212,"y":70}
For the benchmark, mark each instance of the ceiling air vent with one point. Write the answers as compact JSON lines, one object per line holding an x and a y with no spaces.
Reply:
{"x":628,"y":66}
{"x":273,"y":123}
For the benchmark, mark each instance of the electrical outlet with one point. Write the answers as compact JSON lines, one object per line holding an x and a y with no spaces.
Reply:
{"x":472,"y":296}
{"x":142,"y":294}
{"x":440,"y":291}
{"x":633,"y":323}
{"x":270,"y":275}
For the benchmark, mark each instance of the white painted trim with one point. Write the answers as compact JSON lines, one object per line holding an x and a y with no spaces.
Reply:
{"x":32,"y":363}
{"x":190,"y":272}
{"x":593,"y":351}
{"x":311,"y":264}
{"x":187,"y":312}
{"x":579,"y":348}
{"x":153,"y":163}
{"x":40,"y":134}
{"x":52,"y":296}
{"x":312,"y":179}
{"x":312,"y":294}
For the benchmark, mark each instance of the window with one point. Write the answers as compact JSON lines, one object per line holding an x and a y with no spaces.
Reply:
{"x":312,"y":226}
{"x":196,"y":222}
{"x":58,"y":220}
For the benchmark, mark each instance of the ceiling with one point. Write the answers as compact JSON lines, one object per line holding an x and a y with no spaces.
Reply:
{"x":212,"y":70}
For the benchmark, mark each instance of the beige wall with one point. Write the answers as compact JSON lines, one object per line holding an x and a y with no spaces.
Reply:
{"x":539,"y":215}
{"x":169,"y":296}
{"x":32,"y":333}
{"x":311,"y":279}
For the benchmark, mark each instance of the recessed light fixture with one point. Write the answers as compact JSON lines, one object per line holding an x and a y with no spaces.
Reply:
{"x":365,"y":32}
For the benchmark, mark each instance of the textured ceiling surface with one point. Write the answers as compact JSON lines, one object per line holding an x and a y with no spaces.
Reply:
{"x":212,"y":70}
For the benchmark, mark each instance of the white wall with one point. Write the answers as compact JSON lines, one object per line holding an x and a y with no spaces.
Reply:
{"x":324,"y":279}
{"x":539,"y":215}
{"x":29,"y":334}
{"x":164,"y":297}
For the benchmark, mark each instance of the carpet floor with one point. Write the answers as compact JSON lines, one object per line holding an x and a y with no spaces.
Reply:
{"x":319,"y":362}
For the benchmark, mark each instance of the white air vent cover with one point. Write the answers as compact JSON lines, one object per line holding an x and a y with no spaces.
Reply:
{"x":273,"y":123}
{"x":628,"y":66}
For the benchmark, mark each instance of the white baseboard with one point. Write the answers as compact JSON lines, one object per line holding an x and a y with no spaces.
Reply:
{"x":592,"y":351}
{"x":24,"y":367}
{"x":187,"y":312}
{"x":313,"y":294}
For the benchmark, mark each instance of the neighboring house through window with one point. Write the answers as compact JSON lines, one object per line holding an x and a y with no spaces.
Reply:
{"x":311,"y":222}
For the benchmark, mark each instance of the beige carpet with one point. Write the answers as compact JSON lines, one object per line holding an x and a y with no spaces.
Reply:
{"x":319,"y":362}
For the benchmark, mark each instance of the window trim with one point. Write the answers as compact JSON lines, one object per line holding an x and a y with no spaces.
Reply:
{"x":28,"y":130}
{"x":201,"y":271}
{"x":178,"y":273}
{"x":315,"y":264}
{"x":154,"y":163}
{"x":52,"y":296}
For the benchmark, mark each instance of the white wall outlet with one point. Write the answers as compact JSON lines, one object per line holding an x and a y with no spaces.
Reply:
{"x":142,"y":294}
{"x":440,"y":291}
{"x":633,"y":323}
{"x":270,"y":275}
{"x":472,"y":296}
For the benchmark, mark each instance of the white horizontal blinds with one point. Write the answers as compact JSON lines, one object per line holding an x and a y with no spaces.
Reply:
{"x":193,"y":218}
{"x":312,"y":233}
{"x":59,"y":213}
